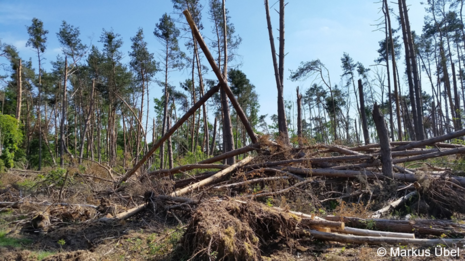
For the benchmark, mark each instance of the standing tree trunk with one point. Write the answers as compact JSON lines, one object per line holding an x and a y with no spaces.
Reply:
{"x":391,"y":116}
{"x":407,"y":121}
{"x":39,"y":114}
{"x":206,"y":142}
{"x":86,"y":123}
{"x":299,"y":117}
{"x":366,"y":136}
{"x":170,"y":145}
{"x":165,"y":108}
{"x":409,"y":68}
{"x":228,"y":140}
{"x":433,"y":119}
{"x":139,"y":126}
{"x":457,"y":100}
{"x":212,"y":149}
{"x":63,"y":114}
{"x":20,"y":93}
{"x":416,"y":78}
{"x":282,"y":122}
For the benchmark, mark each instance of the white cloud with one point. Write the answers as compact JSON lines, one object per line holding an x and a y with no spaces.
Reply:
{"x":20,"y":44}
{"x":58,"y":50}
{"x":10,"y":14}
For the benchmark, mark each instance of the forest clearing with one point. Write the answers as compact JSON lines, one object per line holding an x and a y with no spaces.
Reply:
{"x":81,"y":178}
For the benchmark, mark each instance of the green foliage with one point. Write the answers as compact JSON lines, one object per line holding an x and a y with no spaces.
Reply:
{"x":68,"y":36}
{"x":61,"y":242}
{"x":191,"y":158}
{"x":37,"y":35}
{"x":56,"y":177}
{"x":26,"y":184}
{"x":269,"y":202}
{"x":10,"y":138}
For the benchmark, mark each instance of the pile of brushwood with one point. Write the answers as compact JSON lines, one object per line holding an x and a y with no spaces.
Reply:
{"x":232,"y":213}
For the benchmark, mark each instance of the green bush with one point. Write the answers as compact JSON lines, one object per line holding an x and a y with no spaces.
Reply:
{"x":10,"y":138}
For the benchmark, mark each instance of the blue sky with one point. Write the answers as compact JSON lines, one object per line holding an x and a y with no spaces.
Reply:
{"x":314,"y":30}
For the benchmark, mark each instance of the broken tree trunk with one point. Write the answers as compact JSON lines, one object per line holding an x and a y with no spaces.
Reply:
{"x":211,"y":179}
{"x":179,"y":169}
{"x":431,"y":140}
{"x":383,"y":240}
{"x":386,"y":157}
{"x":230,"y":154}
{"x":366,"y":136}
{"x":170,"y":132}
{"x":368,"y":174}
{"x":219,"y":75}
{"x":433,"y":227}
{"x":342,"y":150}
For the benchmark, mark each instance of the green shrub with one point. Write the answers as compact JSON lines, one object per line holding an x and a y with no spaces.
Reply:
{"x":2,"y":166}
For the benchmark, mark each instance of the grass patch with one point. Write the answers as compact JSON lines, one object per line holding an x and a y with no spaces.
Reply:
{"x":43,"y":254}
{"x":12,"y":242}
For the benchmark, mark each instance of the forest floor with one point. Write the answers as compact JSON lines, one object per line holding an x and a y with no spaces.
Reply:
{"x":59,"y":214}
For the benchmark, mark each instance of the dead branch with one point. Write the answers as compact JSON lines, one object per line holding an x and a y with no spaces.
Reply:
{"x":94,"y":177}
{"x":17,"y":203}
{"x":250,"y":182}
{"x":268,"y":194}
{"x":393,"y":205}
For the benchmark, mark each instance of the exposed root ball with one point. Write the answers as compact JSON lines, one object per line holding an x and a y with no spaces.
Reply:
{"x":444,"y":197}
{"x":231,"y":230}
